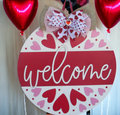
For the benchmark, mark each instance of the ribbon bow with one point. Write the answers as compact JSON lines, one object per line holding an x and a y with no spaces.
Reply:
{"x":77,"y":24}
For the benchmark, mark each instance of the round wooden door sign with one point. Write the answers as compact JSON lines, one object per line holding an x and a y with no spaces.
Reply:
{"x":66,"y":78}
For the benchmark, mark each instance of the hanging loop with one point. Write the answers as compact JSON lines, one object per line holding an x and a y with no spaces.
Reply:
{"x":70,"y":3}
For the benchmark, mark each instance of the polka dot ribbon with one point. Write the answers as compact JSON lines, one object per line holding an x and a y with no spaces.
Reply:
{"x":77,"y":24}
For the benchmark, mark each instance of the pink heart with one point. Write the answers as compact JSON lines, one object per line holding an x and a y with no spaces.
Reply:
{"x":35,"y":46}
{"x":94,"y":101}
{"x":40,"y":33}
{"x":36,"y":91}
{"x":88,"y":44}
{"x":82,"y":107}
{"x":94,"y":34}
{"x":101,"y":91}
{"x":50,"y":43}
{"x":102,"y":43}
{"x":88,"y":90}
{"x":41,"y":103}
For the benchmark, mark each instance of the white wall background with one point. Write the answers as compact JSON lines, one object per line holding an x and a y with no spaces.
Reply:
{"x":11,"y":94}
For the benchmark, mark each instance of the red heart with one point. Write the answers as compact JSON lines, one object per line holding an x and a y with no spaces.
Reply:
{"x":61,"y":103}
{"x":21,"y":12}
{"x":108,"y":11}
{"x":50,"y":94}
{"x":74,"y":95}
{"x":77,"y":41}
{"x":68,"y":22}
{"x":50,"y":43}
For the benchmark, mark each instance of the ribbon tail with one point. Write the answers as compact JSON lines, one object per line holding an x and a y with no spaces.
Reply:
{"x":71,"y":6}
{"x":63,"y":8}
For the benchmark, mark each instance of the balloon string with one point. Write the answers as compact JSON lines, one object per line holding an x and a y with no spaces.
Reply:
{"x":24,"y":104}
{"x":24,"y":39}
{"x":23,"y":36}
{"x":108,"y":36}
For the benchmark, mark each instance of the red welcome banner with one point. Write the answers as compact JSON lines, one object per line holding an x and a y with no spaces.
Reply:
{"x":78,"y":68}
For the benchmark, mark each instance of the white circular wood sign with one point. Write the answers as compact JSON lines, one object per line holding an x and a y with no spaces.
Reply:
{"x":66,"y":78}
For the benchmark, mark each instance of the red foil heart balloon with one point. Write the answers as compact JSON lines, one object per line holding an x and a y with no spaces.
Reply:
{"x":108,"y":11}
{"x":21,"y":12}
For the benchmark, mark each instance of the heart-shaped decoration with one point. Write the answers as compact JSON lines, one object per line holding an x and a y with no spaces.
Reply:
{"x":40,"y":33}
{"x":77,"y":41}
{"x":101,"y":91}
{"x":61,"y":103}
{"x":108,"y":11}
{"x":35,"y":46}
{"x":94,"y":34}
{"x":68,"y":22}
{"x":50,"y":94}
{"x":41,"y":103}
{"x":36,"y":91}
{"x":82,"y":107}
{"x":50,"y":43}
{"x":94,"y":101}
{"x":88,"y":90}
{"x":74,"y":95}
{"x":21,"y":12}
{"x":88,"y":44}
{"x":102,"y":43}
